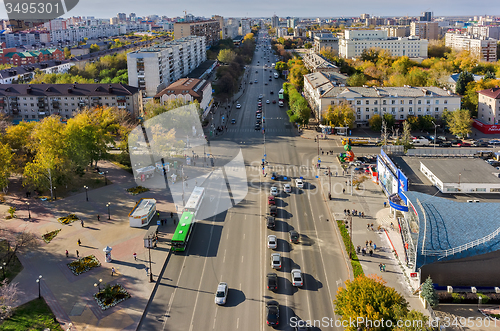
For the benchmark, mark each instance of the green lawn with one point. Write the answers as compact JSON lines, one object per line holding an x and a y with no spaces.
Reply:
{"x":34,"y":315}
{"x":13,"y":268}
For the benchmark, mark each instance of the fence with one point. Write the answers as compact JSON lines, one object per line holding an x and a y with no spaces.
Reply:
{"x":442,"y":152}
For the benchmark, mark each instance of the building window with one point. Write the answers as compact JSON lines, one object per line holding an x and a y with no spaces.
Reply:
{"x":367,"y":102}
{"x":393,"y":102}
{"x":428,"y":102}
{"x":367,"y":109}
{"x":402,"y":102}
{"x":402,"y":116}
{"x":445,"y":102}
{"x":402,"y":109}
{"x":384,"y":102}
{"x":367,"y":117}
{"x":419,"y":102}
{"x":437,"y":109}
{"x":410,"y":102}
{"x":358,"y":102}
{"x":419,"y":109}
{"x":358,"y":117}
{"x":437,"y":102}
{"x":384,"y":109}
{"x":375,"y":102}
{"x":358,"y":110}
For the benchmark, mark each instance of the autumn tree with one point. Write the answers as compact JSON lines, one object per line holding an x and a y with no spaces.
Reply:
{"x":9,"y":293}
{"x":94,"y":48}
{"x":369,"y":299}
{"x":226,"y":56}
{"x":6,"y":156}
{"x":375,"y":123}
{"x":358,"y":79}
{"x":329,"y":53}
{"x":340,"y":115}
{"x":460,"y":123}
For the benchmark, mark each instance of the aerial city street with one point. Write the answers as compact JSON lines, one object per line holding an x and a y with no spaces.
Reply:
{"x":250,"y":173}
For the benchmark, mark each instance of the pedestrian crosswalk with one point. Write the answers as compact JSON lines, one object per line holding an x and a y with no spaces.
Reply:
{"x":259,"y":131}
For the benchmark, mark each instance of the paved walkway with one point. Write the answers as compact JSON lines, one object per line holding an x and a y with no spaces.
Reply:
{"x":70,"y":296}
{"x":370,"y":200}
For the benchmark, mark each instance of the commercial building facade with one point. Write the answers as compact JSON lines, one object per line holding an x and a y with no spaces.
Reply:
{"x":36,"y":101}
{"x":366,"y":102}
{"x":425,"y":30}
{"x":484,"y":49}
{"x":210,"y":29}
{"x":154,"y":68}
{"x":355,"y":41}
{"x":488,"y":106}
{"x":326,"y":40}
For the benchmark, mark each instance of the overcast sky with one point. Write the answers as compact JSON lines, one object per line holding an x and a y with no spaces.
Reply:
{"x":266,"y":8}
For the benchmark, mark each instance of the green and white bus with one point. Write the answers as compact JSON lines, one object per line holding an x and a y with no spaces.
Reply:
{"x":183,"y":232}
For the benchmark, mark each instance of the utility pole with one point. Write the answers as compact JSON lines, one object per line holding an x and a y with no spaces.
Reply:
{"x":352,"y":177}
{"x":330,"y":181}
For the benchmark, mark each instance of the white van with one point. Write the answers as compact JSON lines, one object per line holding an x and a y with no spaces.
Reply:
{"x":421,"y":142}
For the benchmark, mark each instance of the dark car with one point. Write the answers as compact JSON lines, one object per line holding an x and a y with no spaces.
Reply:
{"x":273,"y":211}
{"x":257,"y":126}
{"x":294,"y":236}
{"x":270,"y":79}
{"x":445,"y":144}
{"x":233,"y":121}
{"x":270,"y":222}
{"x":272,"y":281}
{"x":480,"y":144}
{"x":271,"y":92}
{"x":272,"y":312}
{"x":275,"y":176}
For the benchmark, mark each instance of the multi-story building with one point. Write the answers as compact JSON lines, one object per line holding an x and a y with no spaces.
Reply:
{"x":315,"y":62}
{"x":210,"y":29}
{"x":154,"y":68}
{"x":230,"y":28}
{"x":281,"y":32}
{"x":36,"y":101}
{"x":292,"y":22}
{"x":122,"y":17}
{"x":355,"y":41}
{"x":188,"y":89}
{"x":246,"y":26}
{"x":27,"y":72}
{"x":10,"y":56}
{"x":366,"y":102}
{"x":425,"y":30}
{"x":113,"y":20}
{"x":426,"y":16}
{"x":397,"y":31}
{"x":275,"y":21}
{"x":326,"y":40}
{"x":484,"y":49}
{"x":488,"y":106}
{"x":485,"y":31}
{"x":16,"y":39}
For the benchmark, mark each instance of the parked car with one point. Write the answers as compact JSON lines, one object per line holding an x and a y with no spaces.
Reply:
{"x":271,"y":200}
{"x":270,"y":222}
{"x":233,"y":121}
{"x":274,"y":191}
{"x":272,"y":312}
{"x":272,"y":242}
{"x":274,"y":101}
{"x":273,"y":211}
{"x":299,"y":183}
{"x":276,"y":261}
{"x":272,"y":281}
{"x":297,"y":277}
{"x":294,"y":236}
{"x":238,"y":106}
{"x":287,"y":188}
{"x":463,"y":144}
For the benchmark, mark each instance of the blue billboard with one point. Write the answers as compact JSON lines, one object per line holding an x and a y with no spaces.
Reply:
{"x":402,"y":184}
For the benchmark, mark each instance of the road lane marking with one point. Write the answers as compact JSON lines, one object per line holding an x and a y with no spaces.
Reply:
{"x":242,"y":259}
{"x":237,"y":322}
{"x":224,"y":259}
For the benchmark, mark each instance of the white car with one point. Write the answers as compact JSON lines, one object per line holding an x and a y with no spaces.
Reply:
{"x":260,"y":96}
{"x":274,"y":191}
{"x":299,"y":183}
{"x":276,"y":261}
{"x":238,"y":106}
{"x":267,"y":101}
{"x":221,"y":294}
{"x":287,"y":188}
{"x":272,"y":242}
{"x":297,"y":277}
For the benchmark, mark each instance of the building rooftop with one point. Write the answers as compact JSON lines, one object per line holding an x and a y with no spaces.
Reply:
{"x":463,"y":170}
{"x":192,"y":86}
{"x":491,"y":92}
{"x":446,"y":226}
{"x":385,"y":92}
{"x":6,"y":73}
{"x":55,"y":90}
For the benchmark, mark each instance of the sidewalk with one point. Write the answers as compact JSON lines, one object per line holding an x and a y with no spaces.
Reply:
{"x":370,"y":200}
{"x":69,"y":296}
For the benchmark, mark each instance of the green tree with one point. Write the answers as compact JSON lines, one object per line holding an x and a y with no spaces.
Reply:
{"x":426,"y":122}
{"x":280,"y":66}
{"x":94,"y":48}
{"x":413,"y":121}
{"x":358,"y":79}
{"x":375,"y":123}
{"x":464,"y":78}
{"x":370,"y":299}
{"x":428,"y":292}
{"x":329,"y":53}
{"x":389,"y":120}
{"x":67,"y":52}
{"x":226,"y":56}
{"x":489,"y":75}
{"x":460,"y":123}
{"x":406,"y":139}
{"x":308,"y":45}
{"x":290,"y":30}
{"x":6,"y":156}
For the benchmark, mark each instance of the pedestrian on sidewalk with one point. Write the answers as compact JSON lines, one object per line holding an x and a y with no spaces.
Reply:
{"x":380,"y":266}
{"x":98,"y":218}
{"x":79,"y":242}
{"x":383,"y":267}
{"x":371,"y":226}
{"x":392,"y":226}
{"x":363,"y":251}
{"x":77,"y":253}
{"x":171,"y":215}
{"x":81,"y":222}
{"x":358,"y":249}
{"x":147,"y":271}
{"x":366,"y":243}
{"x":112,"y":271}
{"x":343,"y":190}
{"x":370,"y":242}
{"x":371,"y":252}
{"x":374,"y":246}
{"x":385,"y":204}
{"x":336,"y":173}
{"x":368,"y":226}
{"x":362,"y":214}
{"x":135,"y":256}
{"x":67,"y":253}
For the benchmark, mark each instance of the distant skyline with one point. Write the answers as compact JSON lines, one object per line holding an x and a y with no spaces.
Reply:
{"x":266,"y":8}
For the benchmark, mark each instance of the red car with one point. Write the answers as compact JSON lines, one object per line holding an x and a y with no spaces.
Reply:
{"x":271,"y":200}
{"x":464,"y":144}
{"x":274,"y":101}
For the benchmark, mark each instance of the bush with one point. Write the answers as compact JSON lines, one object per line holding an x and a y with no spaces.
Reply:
{"x":356,"y":265}
{"x":468,"y":298}
{"x":457,"y":297}
{"x":50,"y":235}
{"x":68,"y":219}
{"x":83,"y":264}
{"x":137,"y":190}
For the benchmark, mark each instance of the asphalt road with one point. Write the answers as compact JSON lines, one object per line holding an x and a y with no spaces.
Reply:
{"x":230,"y":246}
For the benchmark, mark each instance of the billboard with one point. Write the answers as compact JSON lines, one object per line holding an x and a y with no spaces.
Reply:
{"x":403,"y":184}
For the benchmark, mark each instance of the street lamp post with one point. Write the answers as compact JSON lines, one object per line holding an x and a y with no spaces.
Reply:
{"x":55,"y":196}
{"x":98,"y":285}
{"x":86,"y":192}
{"x":105,"y":178}
{"x":29,"y":212}
{"x":150,"y":270}
{"x":38,"y":281}
{"x":3,"y":269}
{"x":435,"y":133}
{"x":109,"y":213}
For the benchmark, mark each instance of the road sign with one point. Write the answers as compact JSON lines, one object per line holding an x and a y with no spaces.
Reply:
{"x":301,"y":177}
{"x":223,"y":117}
{"x":264,"y":156}
{"x":263,"y":160}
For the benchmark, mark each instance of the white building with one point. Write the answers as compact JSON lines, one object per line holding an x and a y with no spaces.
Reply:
{"x":230,"y":28}
{"x":488,"y":108}
{"x":246,"y":26}
{"x":366,"y":102}
{"x":485,"y":49}
{"x":154,"y":68}
{"x":325,"y":40}
{"x":355,"y":41}
{"x":484,"y":31}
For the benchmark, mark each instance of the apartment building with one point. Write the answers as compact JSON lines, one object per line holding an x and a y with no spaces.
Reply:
{"x":397,"y":31}
{"x":154,"y":68}
{"x":246,"y":26}
{"x":275,"y":21}
{"x":325,"y":40}
{"x":485,"y":49}
{"x":210,"y":29}
{"x":10,"y":56}
{"x":366,"y":102}
{"x":27,"y":72}
{"x":292,"y":22}
{"x":355,"y":41}
{"x":37,"y":101}
{"x":16,"y":39}
{"x":488,"y":106}
{"x":425,"y":30}
{"x":485,"y":31}
{"x":315,"y":62}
